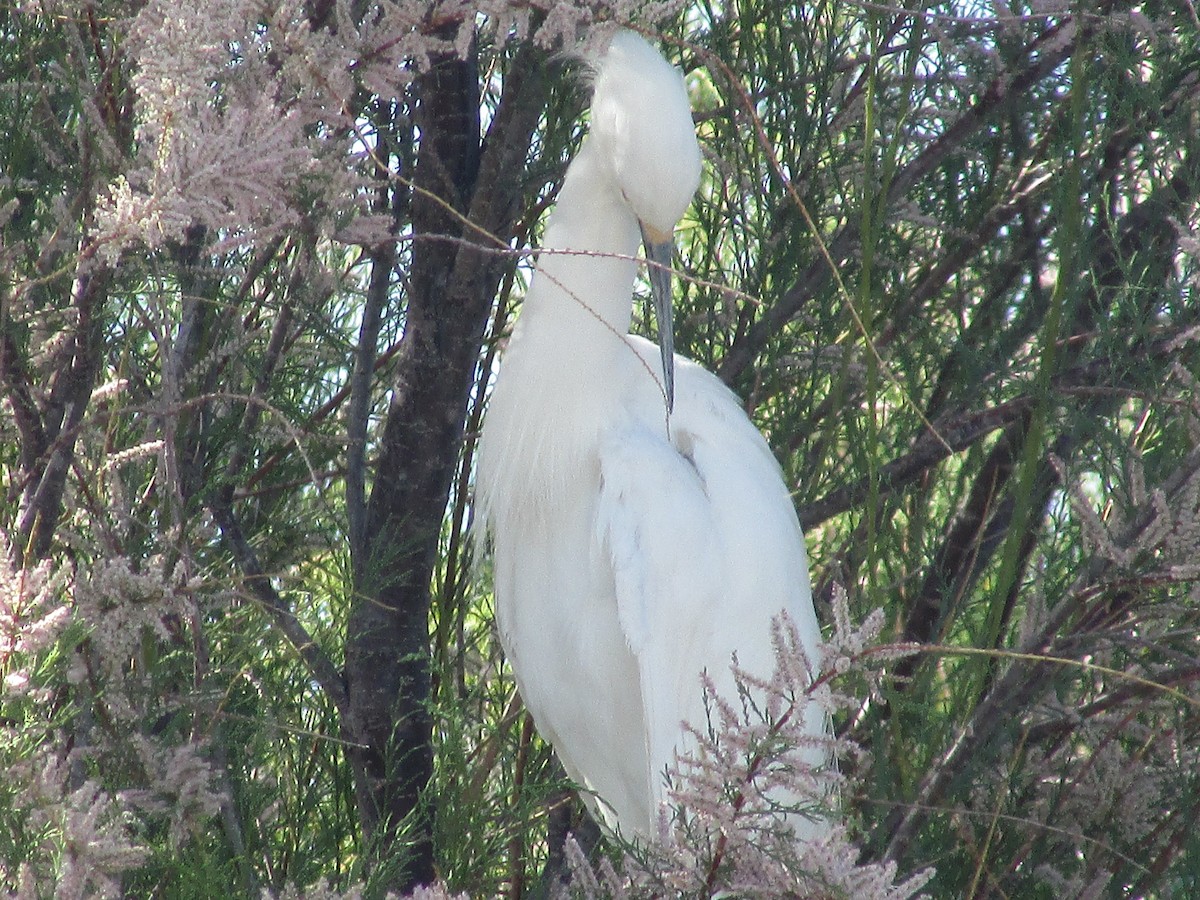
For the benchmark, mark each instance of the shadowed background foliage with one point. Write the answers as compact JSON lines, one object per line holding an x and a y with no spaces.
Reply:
{"x":258,"y":268}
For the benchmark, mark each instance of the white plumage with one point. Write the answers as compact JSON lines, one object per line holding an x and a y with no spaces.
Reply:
{"x":632,"y":550}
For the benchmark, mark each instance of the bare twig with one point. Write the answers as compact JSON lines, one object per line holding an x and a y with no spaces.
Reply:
{"x":259,"y":583}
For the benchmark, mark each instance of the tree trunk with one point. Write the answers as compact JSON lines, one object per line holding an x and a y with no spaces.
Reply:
{"x":449,"y":294}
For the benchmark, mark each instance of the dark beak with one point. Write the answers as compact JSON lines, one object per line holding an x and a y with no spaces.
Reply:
{"x":659,"y":249}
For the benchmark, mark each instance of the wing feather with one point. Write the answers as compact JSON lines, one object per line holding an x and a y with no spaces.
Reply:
{"x":655,"y":523}
{"x":705,"y":549}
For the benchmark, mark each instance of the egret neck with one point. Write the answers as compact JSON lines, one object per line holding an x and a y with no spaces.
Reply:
{"x":577,"y":310}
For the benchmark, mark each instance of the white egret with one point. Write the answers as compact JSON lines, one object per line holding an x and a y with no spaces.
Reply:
{"x":635,"y":546}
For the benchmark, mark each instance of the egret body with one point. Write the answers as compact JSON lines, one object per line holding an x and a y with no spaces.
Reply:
{"x":634,"y":547}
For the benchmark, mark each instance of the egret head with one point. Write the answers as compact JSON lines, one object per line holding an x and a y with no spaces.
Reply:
{"x":642,"y":123}
{"x":642,"y":126}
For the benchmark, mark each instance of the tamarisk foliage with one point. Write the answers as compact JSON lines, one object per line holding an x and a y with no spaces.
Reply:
{"x":257,"y":260}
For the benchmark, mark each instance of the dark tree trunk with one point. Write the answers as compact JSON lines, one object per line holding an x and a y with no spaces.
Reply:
{"x":48,"y":433}
{"x":449,"y":296}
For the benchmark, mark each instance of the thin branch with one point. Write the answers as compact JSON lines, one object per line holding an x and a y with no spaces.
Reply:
{"x":18,"y":380}
{"x":42,"y":503}
{"x":383,"y":262}
{"x":1000,"y":95}
{"x":964,"y":430}
{"x":1018,"y":688}
{"x":960,"y":433}
{"x":259,"y":583}
{"x":388,"y":197}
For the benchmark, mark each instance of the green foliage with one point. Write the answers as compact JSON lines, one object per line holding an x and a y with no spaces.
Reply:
{"x":988,"y":410}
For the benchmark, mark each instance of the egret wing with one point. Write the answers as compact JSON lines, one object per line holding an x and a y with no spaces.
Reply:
{"x":705,"y":550}
{"x":655,"y":525}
